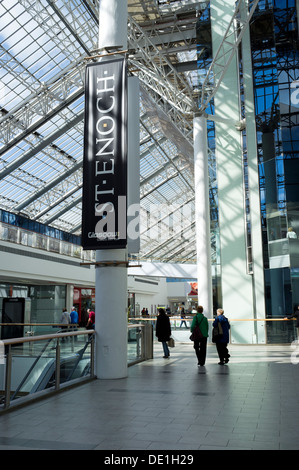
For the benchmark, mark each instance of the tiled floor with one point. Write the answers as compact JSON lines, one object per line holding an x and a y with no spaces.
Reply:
{"x":251,"y":403}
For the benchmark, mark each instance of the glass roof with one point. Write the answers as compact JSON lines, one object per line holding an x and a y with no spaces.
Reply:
{"x":43,"y":52}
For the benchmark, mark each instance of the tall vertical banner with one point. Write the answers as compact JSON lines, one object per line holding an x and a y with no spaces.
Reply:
{"x":104,"y":207}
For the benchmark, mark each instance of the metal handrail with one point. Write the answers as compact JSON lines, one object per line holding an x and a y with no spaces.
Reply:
{"x":190,"y":317}
{"x":8,"y":343}
{"x":29,"y":339}
{"x":144,"y":352}
{"x":30,"y":369}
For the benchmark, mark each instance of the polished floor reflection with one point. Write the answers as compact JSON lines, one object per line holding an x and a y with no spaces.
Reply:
{"x":171,"y":404}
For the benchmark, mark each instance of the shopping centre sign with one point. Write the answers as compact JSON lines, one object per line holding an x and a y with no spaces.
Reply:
{"x":104,"y":207}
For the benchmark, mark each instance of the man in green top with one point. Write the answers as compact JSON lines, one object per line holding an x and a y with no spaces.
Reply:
{"x":200,"y":345}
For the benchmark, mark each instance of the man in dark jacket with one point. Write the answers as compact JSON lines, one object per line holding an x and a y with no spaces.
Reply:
{"x":163,"y":330}
{"x":221,"y":343}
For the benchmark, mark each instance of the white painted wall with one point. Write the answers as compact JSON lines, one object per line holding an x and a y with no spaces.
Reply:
{"x":25,"y":265}
{"x":31,"y":265}
{"x":149,"y":292}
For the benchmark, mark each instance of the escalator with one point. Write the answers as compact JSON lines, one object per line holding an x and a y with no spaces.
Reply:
{"x":38,"y":373}
{"x":70,"y":369}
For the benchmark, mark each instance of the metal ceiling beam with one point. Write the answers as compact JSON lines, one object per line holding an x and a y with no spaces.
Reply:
{"x":59,"y":201}
{"x":160,"y":77}
{"x":175,"y":88}
{"x":8,"y":130}
{"x":63,"y":211}
{"x":188,"y":183}
{"x":68,"y":26}
{"x":49,"y":186}
{"x":39,"y":147}
{"x":177,"y":207}
{"x":77,"y":27}
{"x":163,"y":40}
{"x":165,"y":83}
{"x":225,"y":53}
{"x":156,"y":173}
{"x":166,"y":242}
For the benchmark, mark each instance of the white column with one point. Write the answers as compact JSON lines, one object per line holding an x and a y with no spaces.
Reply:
{"x":254,"y":192}
{"x":133,"y":165}
{"x":202,"y":215}
{"x":111,"y":316}
{"x":113,"y":24}
{"x":111,"y":281}
{"x":236,"y":283}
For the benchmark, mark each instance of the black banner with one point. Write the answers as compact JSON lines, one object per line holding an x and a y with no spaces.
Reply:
{"x":104,"y":207}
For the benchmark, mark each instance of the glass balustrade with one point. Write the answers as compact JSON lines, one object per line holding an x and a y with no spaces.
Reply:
{"x":40,"y":363}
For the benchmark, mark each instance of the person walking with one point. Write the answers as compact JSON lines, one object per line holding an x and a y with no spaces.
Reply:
{"x":74,"y":320}
{"x":223,"y":340}
{"x":183,"y":318}
{"x":74,"y":316}
{"x":163,"y":331}
{"x":200,"y":345}
{"x":65,"y":320}
{"x":91,"y":319}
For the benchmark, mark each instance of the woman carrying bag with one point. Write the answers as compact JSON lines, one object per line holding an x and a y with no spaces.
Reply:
{"x":199,"y":336}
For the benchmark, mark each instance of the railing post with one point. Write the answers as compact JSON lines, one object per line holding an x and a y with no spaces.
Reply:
{"x":92,"y":355}
{"x":8,"y":377}
{"x":57,"y":381}
{"x":140,"y":352}
{"x":148,"y":341}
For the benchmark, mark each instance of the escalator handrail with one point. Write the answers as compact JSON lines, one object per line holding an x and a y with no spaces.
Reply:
{"x":80,"y":355}
{"x":29,"y":339}
{"x":49,"y":339}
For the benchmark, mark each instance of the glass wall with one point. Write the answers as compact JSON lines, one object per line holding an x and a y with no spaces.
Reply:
{"x":83,"y":299}
{"x":33,"y":226}
{"x":274,"y":35}
{"x":274,"y":47}
{"x":46,"y":301}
